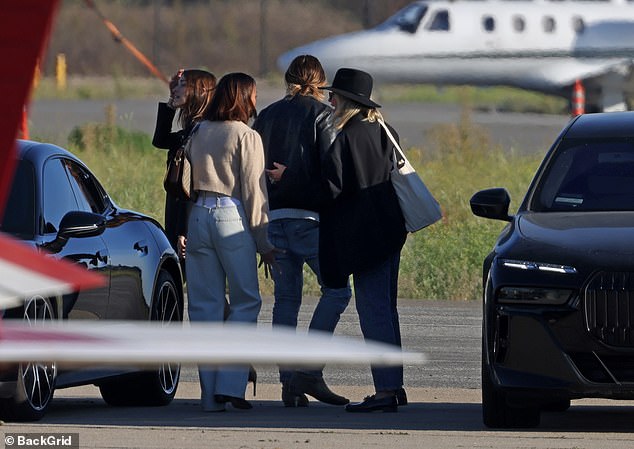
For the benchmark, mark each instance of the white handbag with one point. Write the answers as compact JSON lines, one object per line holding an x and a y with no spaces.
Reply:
{"x":420,"y":208}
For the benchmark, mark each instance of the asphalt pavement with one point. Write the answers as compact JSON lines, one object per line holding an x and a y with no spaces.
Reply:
{"x":444,"y":410}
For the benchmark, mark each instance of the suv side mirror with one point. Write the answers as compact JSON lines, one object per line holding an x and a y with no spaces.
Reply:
{"x":491,"y":203}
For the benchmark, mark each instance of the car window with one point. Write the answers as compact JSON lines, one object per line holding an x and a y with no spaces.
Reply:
{"x":87,"y":191}
{"x":19,"y":216}
{"x":58,"y":197}
{"x":589,"y":176}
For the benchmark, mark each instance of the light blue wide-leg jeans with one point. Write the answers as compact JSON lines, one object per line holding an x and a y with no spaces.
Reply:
{"x":221,"y":253}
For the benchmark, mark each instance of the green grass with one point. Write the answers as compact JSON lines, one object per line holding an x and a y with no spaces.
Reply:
{"x":482,"y":98}
{"x":442,"y":261}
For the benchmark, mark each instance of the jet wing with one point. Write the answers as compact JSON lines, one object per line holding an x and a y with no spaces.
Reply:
{"x":134,"y":344}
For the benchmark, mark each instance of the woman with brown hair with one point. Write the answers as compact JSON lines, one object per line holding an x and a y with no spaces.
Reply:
{"x":227,"y":226}
{"x":190,"y":94}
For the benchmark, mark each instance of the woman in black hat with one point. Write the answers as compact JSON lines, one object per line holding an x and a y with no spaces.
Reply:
{"x":362,"y":229}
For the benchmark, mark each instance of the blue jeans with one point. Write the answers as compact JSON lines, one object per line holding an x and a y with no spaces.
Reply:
{"x":221,"y":252}
{"x":376,"y":292}
{"x":299,"y":238}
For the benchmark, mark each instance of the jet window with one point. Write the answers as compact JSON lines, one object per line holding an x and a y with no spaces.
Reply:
{"x":519,"y":24}
{"x":440,"y":21}
{"x":549,"y":24}
{"x":578,"y":25}
{"x":488,"y":23}
{"x":407,"y":19}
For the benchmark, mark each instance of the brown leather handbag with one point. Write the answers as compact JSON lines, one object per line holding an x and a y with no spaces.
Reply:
{"x":178,"y":176}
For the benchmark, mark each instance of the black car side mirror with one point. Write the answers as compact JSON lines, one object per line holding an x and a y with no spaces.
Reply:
{"x":76,"y":224}
{"x":81,"y":224}
{"x":491,"y":203}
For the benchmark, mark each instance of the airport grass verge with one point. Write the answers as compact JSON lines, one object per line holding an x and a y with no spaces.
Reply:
{"x":443,"y":261}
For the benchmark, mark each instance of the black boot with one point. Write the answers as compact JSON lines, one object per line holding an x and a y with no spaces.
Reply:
{"x":401,"y":396}
{"x":302,"y":383}
{"x":253,"y":377}
{"x":292,"y":400}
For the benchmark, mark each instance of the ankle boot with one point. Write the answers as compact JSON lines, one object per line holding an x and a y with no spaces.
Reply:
{"x":253,"y":377}
{"x":292,"y":400}
{"x":302,"y":383}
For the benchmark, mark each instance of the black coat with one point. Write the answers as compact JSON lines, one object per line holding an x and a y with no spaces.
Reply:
{"x":296,"y":131}
{"x":164,"y":138}
{"x":362,"y":223}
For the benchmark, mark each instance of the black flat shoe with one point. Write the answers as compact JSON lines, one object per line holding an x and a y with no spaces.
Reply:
{"x":401,"y":397}
{"x":235,"y":402}
{"x":372,"y":404}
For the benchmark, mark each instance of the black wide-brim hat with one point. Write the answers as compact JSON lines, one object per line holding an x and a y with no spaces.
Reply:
{"x":355,"y":85}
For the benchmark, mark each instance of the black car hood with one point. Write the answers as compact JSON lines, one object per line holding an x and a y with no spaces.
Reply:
{"x":597,"y":234}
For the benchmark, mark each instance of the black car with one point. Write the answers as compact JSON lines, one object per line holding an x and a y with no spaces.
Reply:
{"x":57,"y":205}
{"x":558,"y":315}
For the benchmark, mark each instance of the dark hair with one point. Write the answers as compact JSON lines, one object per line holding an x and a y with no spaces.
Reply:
{"x":199,"y":88}
{"x":232,"y":99}
{"x":305,"y":76}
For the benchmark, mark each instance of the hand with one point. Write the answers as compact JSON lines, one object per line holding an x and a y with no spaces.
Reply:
{"x":269,"y":262}
{"x":181,"y":244}
{"x":275,"y":174}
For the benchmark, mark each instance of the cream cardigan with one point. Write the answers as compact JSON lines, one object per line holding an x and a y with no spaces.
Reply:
{"x":228,"y":158}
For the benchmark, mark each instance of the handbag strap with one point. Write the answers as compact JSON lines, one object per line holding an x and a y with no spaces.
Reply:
{"x":397,"y":151}
{"x":188,"y":139}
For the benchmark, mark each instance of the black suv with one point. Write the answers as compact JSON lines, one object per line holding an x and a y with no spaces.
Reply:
{"x":558,"y":317}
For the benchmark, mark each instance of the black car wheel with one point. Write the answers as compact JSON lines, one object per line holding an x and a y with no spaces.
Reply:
{"x":35,"y":381}
{"x":157,"y":387}
{"x":496,"y":412}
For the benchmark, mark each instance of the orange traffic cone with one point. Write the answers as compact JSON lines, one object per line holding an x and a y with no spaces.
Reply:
{"x":578,"y":99}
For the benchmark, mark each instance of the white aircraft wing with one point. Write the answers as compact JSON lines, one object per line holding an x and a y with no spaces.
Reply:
{"x":84,"y":343}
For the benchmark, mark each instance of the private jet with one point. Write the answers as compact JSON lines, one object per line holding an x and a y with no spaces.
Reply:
{"x":548,"y":46}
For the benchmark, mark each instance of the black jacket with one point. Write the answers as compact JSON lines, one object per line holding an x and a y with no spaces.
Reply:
{"x":176,"y":209}
{"x":296,"y":131}
{"x":164,"y":137}
{"x":361,"y":223}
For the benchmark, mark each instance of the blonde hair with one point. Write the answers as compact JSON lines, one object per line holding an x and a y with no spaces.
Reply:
{"x":347,"y":108}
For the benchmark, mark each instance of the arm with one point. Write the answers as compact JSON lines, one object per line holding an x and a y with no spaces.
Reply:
{"x":253,"y":188}
{"x":163,"y":135}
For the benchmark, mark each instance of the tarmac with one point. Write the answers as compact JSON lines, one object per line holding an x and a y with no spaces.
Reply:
{"x":269,"y":425}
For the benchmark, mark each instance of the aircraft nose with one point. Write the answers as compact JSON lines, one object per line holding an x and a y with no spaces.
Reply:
{"x":285,"y":59}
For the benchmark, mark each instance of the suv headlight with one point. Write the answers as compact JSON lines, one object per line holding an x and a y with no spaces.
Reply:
{"x":539,"y":266}
{"x":534,"y":295}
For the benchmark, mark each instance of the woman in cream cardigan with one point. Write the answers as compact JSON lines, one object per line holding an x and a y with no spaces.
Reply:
{"x":227,"y":226}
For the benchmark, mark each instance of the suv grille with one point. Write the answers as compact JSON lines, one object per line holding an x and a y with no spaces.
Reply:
{"x":609,"y":308}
